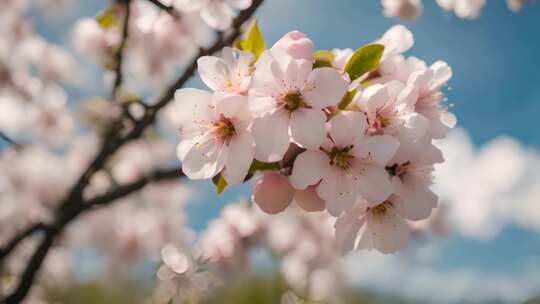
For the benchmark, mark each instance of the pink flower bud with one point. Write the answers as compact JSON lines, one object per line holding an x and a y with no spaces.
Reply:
{"x":309,"y":200}
{"x":297,"y":45}
{"x":273,"y":193}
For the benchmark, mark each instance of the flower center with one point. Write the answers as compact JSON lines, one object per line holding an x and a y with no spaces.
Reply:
{"x":376,"y":125}
{"x":293,"y":101}
{"x":341,"y":157}
{"x":399,"y":170}
{"x":224,"y":130}
{"x":381,"y":209}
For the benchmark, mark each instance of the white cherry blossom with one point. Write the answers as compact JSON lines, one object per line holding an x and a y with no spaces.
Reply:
{"x":349,"y":165}
{"x":288,"y":97}
{"x":229,"y":74}
{"x":403,"y":9}
{"x":215,"y":135}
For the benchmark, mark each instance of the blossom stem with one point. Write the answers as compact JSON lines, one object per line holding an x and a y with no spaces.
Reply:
{"x":119,"y":55}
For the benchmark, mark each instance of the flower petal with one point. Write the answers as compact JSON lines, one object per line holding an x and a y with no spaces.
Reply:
{"x":338,"y":189}
{"x":415,"y":200}
{"x":273,"y":193}
{"x":381,"y":148}
{"x":193,"y":105}
{"x":240,"y":156}
{"x":372,"y":99}
{"x":309,"y":167}
{"x":217,"y":15}
{"x":346,"y":232}
{"x":308,"y":127}
{"x":309,"y":200}
{"x":389,"y":232}
{"x":229,"y":105}
{"x":325,"y":88}
{"x":271,"y":136}
{"x":214,"y":72}
{"x":346,"y":127}
{"x":204,"y":160}
{"x":374,"y":183}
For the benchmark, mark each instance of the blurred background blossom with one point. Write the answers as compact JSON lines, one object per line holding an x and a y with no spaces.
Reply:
{"x":482,"y":245}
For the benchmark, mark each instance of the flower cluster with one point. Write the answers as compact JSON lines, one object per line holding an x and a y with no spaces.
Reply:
{"x":301,"y":242}
{"x":345,"y":131}
{"x":159,"y":41}
{"x":465,"y":9}
{"x":32,"y":70}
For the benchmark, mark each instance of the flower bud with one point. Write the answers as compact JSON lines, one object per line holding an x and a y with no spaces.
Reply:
{"x":309,"y":200}
{"x":297,"y":45}
{"x":273,"y":193}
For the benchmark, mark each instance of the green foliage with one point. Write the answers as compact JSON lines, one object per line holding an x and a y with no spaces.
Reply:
{"x":347,"y":99}
{"x":323,"y":59}
{"x":254,"y":42}
{"x":251,"y":289}
{"x":220,"y":183}
{"x":110,"y":17}
{"x":261,"y":166}
{"x":100,"y":293}
{"x":364,"y":60}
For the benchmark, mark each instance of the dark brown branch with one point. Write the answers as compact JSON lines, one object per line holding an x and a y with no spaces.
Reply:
{"x":168,"y":8}
{"x":74,"y":205}
{"x":168,"y":95}
{"x":14,"y":242}
{"x":119,"y":55}
{"x":68,"y":215}
{"x":10,"y":141}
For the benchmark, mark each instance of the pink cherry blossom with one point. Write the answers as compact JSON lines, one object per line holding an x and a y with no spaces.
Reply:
{"x":403,"y":9}
{"x":373,"y":226}
{"x":349,"y":165}
{"x":429,"y":83}
{"x":217,"y":14}
{"x":288,"y":97}
{"x":215,"y":135}
{"x":297,"y":45}
{"x":229,"y":74}
{"x":387,"y":111}
{"x":273,"y":193}
{"x":467,"y":9}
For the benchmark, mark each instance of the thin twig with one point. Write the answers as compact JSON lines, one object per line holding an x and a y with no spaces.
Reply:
{"x":68,"y":215}
{"x":14,"y":242}
{"x":168,"y":8}
{"x":119,"y":55}
{"x":74,"y":205}
{"x":10,"y":141}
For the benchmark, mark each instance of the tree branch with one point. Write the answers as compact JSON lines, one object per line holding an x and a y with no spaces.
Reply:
{"x":119,"y":55}
{"x":14,"y":242}
{"x":168,"y":8}
{"x":53,"y":230}
{"x":10,"y":141}
{"x":74,"y":205}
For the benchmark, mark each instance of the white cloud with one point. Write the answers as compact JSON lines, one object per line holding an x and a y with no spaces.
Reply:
{"x":490,"y":187}
{"x":400,"y":276}
{"x":486,"y":189}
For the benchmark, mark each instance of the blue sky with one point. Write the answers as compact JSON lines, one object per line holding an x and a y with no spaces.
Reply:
{"x":495,"y":91}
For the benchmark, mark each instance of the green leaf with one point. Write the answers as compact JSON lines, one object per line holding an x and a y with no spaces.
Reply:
{"x":261,"y":166}
{"x":110,"y":17}
{"x":347,"y":99}
{"x":323,"y":59}
{"x":364,"y":60}
{"x":220,"y":183}
{"x":254,"y":42}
